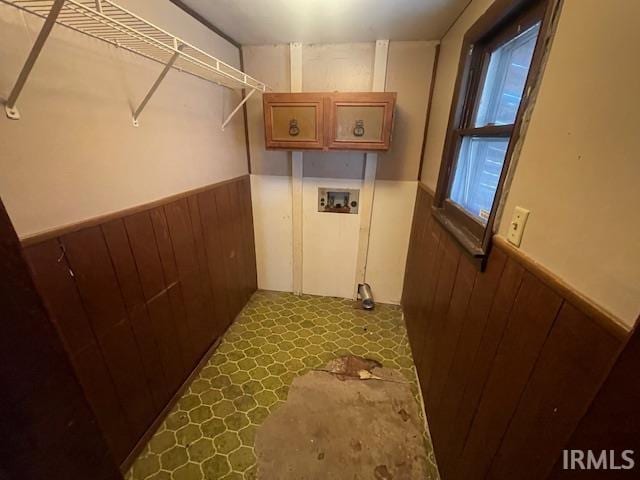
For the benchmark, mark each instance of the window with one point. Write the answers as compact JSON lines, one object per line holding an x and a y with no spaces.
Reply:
{"x":498,"y":57}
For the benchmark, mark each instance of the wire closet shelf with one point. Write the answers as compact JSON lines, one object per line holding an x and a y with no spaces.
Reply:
{"x":117,"y":26}
{"x":109,"y":22}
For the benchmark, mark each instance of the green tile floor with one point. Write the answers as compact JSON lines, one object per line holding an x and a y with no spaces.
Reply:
{"x":209,"y":434}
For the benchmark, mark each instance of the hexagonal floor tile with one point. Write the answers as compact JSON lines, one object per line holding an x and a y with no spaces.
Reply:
{"x":200,"y":414}
{"x":245,"y":403}
{"x":162,"y":441}
{"x":188,"y":434}
{"x":188,"y":402}
{"x":190,"y":471}
{"x":201,"y":450}
{"x":226,"y":442}
{"x":212,"y":427}
{"x":174,"y":458}
{"x":242,"y":459}
{"x":216,"y":467}
{"x":236,"y":421}
{"x":145,"y":466}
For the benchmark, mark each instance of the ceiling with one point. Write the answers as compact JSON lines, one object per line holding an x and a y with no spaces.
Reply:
{"x":259,"y":22}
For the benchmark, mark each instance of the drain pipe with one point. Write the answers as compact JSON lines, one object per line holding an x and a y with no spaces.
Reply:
{"x":366,"y":296}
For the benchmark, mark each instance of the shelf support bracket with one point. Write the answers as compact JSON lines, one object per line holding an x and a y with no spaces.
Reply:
{"x":156,"y":84}
{"x":235,"y":110}
{"x":10,"y":106}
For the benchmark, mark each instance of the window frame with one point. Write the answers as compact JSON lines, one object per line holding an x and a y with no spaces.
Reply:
{"x":501,"y":22}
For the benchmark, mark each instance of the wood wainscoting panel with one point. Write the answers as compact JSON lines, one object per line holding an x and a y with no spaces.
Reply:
{"x":198,"y":305}
{"x":213,"y":247}
{"x":94,"y":376}
{"x":571,"y":366}
{"x":530,"y":320}
{"x":156,"y":293}
{"x":48,"y":429}
{"x":509,"y":359}
{"x":450,"y":333}
{"x":446,"y":409}
{"x":139,"y":298}
{"x":51,"y":274}
{"x":411,"y":299}
{"x":449,"y":257}
{"x":245,"y":233}
{"x":476,"y":377}
{"x":229,"y":250}
{"x":92,"y":267}
{"x":428,"y":262}
{"x":143,"y":328}
{"x":244,"y":193}
{"x":174,"y":291}
{"x":213,"y":298}
{"x":612,"y":421}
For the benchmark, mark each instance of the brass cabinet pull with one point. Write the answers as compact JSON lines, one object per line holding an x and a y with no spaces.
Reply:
{"x":294,"y":130}
{"x":358,"y":131}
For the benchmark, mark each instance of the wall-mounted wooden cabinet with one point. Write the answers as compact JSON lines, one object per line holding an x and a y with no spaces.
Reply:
{"x":294,"y":121}
{"x":359,"y":121}
{"x":328,"y":121}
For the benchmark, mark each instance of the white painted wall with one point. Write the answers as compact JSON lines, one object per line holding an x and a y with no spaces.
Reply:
{"x":271,"y":198}
{"x":330,"y":242}
{"x":272,"y":62}
{"x":447,"y":70}
{"x":344,"y":67}
{"x":75,"y":154}
{"x":409,"y":72}
{"x":389,"y":238}
{"x":578,"y":169}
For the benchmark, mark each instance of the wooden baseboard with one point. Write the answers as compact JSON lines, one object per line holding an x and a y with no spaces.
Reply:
{"x":137,"y":450}
{"x":100,"y":219}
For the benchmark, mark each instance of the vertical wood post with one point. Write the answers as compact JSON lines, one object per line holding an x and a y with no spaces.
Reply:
{"x":296,"y":175}
{"x":371,"y":165}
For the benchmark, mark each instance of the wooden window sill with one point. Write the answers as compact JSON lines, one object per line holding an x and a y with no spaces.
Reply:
{"x":469,"y":243}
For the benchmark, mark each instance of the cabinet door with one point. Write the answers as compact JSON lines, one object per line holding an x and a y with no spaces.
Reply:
{"x":360,"y":121}
{"x":293,"y":121}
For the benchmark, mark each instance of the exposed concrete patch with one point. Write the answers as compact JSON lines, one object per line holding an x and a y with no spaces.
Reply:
{"x":344,"y":429}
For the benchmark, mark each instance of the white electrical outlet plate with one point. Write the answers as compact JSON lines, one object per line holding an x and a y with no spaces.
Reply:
{"x":516,"y":227}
